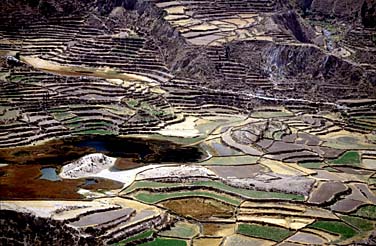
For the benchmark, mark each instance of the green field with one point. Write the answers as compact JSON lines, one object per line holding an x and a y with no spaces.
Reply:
{"x":165,"y":242}
{"x":143,"y":235}
{"x":311,"y":165}
{"x":152,"y":198}
{"x":361,"y":224}
{"x":182,"y":230}
{"x":368,"y":211}
{"x":336,"y":227}
{"x":95,"y":132}
{"x":351,"y":158}
{"x":267,"y":232}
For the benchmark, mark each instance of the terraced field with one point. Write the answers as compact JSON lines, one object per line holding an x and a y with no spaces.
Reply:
{"x":184,"y":123}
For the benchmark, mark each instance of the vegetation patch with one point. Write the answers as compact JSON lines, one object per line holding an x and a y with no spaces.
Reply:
{"x":95,"y":132}
{"x":336,"y":227}
{"x":368,"y":211}
{"x":311,"y":165}
{"x":165,"y":242}
{"x":62,"y":116}
{"x":152,"y":198}
{"x":251,"y":193}
{"x":146,"y":184}
{"x":152,"y":110}
{"x":199,"y":208}
{"x":213,"y":184}
{"x":361,"y":224}
{"x":142,"y":236}
{"x":74,"y":120}
{"x":271,"y":114}
{"x":182,"y":230}
{"x":351,"y":158}
{"x":132,"y":103}
{"x":16,"y":78}
{"x":267,"y":232}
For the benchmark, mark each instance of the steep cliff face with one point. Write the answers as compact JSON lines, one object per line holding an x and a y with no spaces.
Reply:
{"x":147,"y":19}
{"x":292,"y":22}
{"x":318,"y":71}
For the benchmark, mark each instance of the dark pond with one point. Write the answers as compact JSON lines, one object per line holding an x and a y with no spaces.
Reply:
{"x":58,"y":152}
{"x":145,"y":150}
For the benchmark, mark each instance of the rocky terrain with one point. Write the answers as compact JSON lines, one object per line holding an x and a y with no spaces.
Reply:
{"x":226,"y":122}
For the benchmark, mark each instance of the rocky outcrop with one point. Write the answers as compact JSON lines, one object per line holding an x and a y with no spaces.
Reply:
{"x":87,"y":165}
{"x":148,"y":19}
{"x":18,"y":228}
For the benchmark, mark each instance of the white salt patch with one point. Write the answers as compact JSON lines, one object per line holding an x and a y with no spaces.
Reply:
{"x":176,"y":171}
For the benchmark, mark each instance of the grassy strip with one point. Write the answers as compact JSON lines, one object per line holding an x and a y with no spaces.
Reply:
{"x":145,"y":234}
{"x":165,"y":242}
{"x":74,"y":120}
{"x":96,"y":132}
{"x":335,"y":227}
{"x":147,"y":184}
{"x":132,"y":103}
{"x":250,"y":193}
{"x":311,"y":165}
{"x":272,"y":114}
{"x":267,"y":232}
{"x":219,"y":186}
{"x":181,"y":230}
{"x":151,"y":198}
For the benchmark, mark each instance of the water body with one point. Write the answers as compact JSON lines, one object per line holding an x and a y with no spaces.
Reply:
{"x":90,"y":182}
{"x":49,"y":173}
{"x":62,"y":151}
{"x":145,"y":150}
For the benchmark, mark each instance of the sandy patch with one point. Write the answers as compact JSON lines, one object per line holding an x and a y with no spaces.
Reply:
{"x":126,"y":177}
{"x":79,"y":71}
{"x":185,"y":129}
